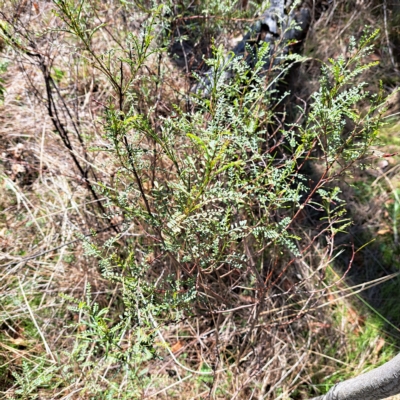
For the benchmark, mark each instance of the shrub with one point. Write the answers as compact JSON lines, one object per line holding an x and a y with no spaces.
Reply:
{"x":207,"y":192}
{"x":208,"y":196}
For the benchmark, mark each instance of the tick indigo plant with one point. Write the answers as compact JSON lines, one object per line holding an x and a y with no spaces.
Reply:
{"x":208,"y":197}
{"x":207,"y":192}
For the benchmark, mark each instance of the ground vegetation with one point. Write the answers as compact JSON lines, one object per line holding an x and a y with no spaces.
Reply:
{"x":179,"y":222}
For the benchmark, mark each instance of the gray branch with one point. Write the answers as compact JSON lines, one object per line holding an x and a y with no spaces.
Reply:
{"x":379,"y":383}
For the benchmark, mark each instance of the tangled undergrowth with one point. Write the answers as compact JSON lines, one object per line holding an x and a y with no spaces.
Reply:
{"x":160,"y":242}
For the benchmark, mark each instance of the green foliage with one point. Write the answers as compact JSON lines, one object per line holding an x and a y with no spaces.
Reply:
{"x":204,"y":190}
{"x":32,"y":378}
{"x":335,"y":107}
{"x":102,"y":345}
{"x":3,"y":69}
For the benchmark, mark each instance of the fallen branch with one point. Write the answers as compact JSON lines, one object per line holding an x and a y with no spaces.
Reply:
{"x":379,"y":383}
